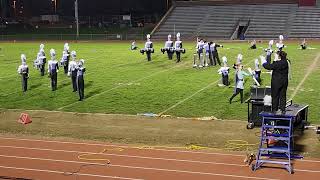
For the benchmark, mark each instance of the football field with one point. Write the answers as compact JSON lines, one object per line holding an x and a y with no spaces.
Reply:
{"x":120,"y":81}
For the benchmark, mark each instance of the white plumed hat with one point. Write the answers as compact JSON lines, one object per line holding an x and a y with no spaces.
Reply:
{"x":73,"y":53}
{"x":270,"y":42}
{"x":81,"y":61}
{"x":224,"y":60}
{"x":280,"y":37}
{"x":23,"y":58}
{"x":52,"y":52}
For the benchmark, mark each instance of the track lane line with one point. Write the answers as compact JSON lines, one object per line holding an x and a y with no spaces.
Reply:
{"x":145,"y":168}
{"x":121,"y":146}
{"x":130,"y":156}
{"x":62,"y":173}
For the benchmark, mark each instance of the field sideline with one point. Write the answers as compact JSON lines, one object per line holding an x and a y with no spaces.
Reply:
{"x":120,"y":81}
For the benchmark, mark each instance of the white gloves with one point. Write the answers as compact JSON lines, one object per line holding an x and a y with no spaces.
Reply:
{"x":263,"y":60}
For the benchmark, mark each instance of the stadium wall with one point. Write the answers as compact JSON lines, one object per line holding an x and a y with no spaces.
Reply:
{"x":307,"y":2}
{"x":229,"y":2}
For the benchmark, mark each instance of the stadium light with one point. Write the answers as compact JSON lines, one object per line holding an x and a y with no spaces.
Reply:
{"x":14,"y":8}
{"x":76,"y":16}
{"x":55,"y":6}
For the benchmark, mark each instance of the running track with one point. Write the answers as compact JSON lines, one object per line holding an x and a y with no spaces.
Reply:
{"x":44,"y":160}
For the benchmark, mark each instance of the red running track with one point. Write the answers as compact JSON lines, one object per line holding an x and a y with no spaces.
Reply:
{"x":44,"y":160}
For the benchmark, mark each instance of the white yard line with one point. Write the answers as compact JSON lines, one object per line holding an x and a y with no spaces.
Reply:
{"x":192,"y":95}
{"x":309,"y":70}
{"x":122,"y":85}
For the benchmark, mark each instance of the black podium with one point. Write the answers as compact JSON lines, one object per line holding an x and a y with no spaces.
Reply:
{"x":256,"y":105}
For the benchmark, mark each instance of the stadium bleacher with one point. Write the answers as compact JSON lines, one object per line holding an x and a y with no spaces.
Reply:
{"x":219,"y":21}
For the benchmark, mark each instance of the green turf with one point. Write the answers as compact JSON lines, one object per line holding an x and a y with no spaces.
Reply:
{"x":122,"y":81}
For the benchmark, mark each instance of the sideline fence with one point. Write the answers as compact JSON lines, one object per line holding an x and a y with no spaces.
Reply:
{"x":124,"y":36}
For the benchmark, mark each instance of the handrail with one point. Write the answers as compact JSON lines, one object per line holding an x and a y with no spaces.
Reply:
{"x":163,"y":19}
{"x":248,"y":26}
{"x":235,"y":29}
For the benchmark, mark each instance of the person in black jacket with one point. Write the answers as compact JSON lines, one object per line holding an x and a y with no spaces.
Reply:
{"x":214,"y":54}
{"x":279,"y":80}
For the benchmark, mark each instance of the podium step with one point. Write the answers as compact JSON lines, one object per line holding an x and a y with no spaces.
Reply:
{"x":274,"y":162}
{"x":276,"y":138}
{"x":275,"y":127}
{"x":276,"y":149}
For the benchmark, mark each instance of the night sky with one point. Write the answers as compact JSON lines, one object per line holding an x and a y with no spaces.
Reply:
{"x":90,"y":7}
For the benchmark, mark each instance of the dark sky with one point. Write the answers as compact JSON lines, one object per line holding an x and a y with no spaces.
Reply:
{"x":95,"y":7}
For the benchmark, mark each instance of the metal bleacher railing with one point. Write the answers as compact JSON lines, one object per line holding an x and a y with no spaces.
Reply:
{"x":28,"y":37}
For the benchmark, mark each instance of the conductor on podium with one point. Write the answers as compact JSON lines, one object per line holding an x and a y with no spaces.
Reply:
{"x":279,"y":80}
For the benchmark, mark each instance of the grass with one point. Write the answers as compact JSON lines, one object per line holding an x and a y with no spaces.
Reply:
{"x":120,"y":81}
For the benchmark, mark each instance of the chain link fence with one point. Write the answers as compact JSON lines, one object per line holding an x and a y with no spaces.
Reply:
{"x":30,"y":37}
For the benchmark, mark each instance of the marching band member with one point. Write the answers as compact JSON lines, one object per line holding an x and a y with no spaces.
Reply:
{"x":41,"y":60}
{"x":133,"y":45}
{"x":80,"y":79}
{"x":148,"y":48}
{"x":53,"y":70}
{"x":215,"y":54}
{"x":224,"y":71}
{"x":280,"y":44}
{"x":168,"y":47}
{"x":238,"y":61}
{"x":253,"y":44}
{"x":72,"y":70}
{"x":240,"y":74}
{"x":23,"y":70}
{"x":178,"y":47}
{"x":257,"y":71}
{"x":303,"y":44}
{"x":65,"y":58}
{"x":207,"y":53}
{"x":199,"y":48}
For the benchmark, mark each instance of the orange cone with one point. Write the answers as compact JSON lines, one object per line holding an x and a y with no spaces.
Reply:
{"x":24,"y":118}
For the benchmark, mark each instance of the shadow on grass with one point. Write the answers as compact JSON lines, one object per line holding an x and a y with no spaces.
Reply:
{"x":35,"y":86}
{"x":92,"y":93}
{"x":89,"y":84}
{"x":64,"y":84}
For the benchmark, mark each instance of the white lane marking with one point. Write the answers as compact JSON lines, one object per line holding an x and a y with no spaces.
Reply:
{"x":130,"y":156}
{"x":121,"y":146}
{"x":62,"y":173}
{"x":128,"y":147}
{"x":145,"y":168}
{"x":122,"y":155}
